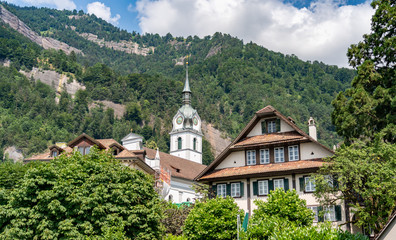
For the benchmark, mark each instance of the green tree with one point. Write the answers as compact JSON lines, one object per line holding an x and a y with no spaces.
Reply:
{"x":284,"y":205}
{"x":365,"y":180}
{"x":82,"y":196}
{"x":370,"y":105}
{"x":214,"y":219}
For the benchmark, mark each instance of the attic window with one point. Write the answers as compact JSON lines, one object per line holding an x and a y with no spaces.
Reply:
{"x":84,"y":150}
{"x":54,"y":153}
{"x":177,"y":170}
{"x":270,"y":126}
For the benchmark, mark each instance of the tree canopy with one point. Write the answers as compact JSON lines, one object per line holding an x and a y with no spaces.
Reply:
{"x":80,"y":197}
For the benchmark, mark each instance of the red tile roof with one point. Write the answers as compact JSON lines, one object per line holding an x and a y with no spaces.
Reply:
{"x":272,"y":169}
{"x":179,"y":167}
{"x":270,"y":138}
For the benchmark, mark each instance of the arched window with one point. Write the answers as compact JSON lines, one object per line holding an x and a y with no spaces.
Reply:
{"x":188,"y":200}
{"x":179,"y":143}
{"x":195,"y":144}
{"x":170,"y":198}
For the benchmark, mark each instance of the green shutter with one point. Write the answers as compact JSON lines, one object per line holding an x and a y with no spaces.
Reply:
{"x":302,"y":184}
{"x":255,"y":188}
{"x":263,"y":127}
{"x":270,"y":186}
{"x":286,"y":184}
{"x":242,"y":185}
{"x":228,"y":189}
{"x":337,"y":209}
{"x":278,"y":125}
{"x":214,"y":188}
{"x":320,"y":214}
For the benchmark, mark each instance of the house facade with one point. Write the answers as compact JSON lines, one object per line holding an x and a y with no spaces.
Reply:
{"x":271,"y":152}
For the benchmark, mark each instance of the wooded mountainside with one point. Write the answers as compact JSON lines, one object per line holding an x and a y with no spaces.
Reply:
{"x":230,"y":80}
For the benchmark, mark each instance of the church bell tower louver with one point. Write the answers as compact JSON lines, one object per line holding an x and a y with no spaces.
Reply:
{"x":186,"y":134}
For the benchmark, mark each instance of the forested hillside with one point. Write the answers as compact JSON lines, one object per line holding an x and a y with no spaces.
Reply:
{"x":230,"y":80}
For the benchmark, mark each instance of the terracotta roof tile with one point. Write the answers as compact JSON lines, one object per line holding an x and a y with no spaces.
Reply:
{"x":126,"y":154}
{"x":179,"y":167}
{"x":107,"y":142}
{"x":267,"y":109}
{"x":270,"y":138}
{"x":271,"y":169}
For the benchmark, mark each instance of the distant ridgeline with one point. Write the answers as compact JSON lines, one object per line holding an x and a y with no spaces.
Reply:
{"x":230,"y":81}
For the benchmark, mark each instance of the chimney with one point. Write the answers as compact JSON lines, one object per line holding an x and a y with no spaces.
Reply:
{"x":312,"y":128}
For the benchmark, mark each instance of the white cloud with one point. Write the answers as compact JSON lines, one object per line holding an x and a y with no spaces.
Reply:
{"x":321,"y":32}
{"x":59,"y":4}
{"x":102,"y":11}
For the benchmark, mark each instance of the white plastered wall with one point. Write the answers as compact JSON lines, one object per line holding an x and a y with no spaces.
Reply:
{"x":234,"y":159}
{"x":318,"y":151}
{"x":181,"y":191}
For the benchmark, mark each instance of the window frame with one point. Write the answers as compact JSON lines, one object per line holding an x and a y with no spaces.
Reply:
{"x":296,"y":157}
{"x":249,"y":162}
{"x":309,"y":183}
{"x":218,"y":190}
{"x":238,"y":186}
{"x":272,"y":123}
{"x":316,"y":215}
{"x":258,"y":187}
{"x":179,"y":143}
{"x":281,"y":180}
{"x":329,"y":212}
{"x":265,"y":151}
{"x":195,"y":144}
{"x":275,"y":154}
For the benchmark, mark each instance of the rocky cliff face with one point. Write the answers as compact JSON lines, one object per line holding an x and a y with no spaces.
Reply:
{"x":58,"y":81}
{"x":215,"y":138}
{"x":124,"y":46}
{"x":45,"y":42}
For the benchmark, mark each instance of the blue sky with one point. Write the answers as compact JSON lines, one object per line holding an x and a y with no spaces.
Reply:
{"x":312,"y":30}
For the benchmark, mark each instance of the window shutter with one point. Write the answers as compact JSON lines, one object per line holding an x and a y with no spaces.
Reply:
{"x":320,"y":214}
{"x":286,"y":184}
{"x":228,"y":190}
{"x":255,"y":188}
{"x":242,"y":185}
{"x":270,"y":186}
{"x":278,"y":125}
{"x":337,"y":209}
{"x":263,"y":127}
{"x":214,"y":188}
{"x":302,"y":184}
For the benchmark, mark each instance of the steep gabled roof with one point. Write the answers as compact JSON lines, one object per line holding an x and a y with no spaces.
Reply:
{"x":242,"y":138}
{"x":75,"y":141}
{"x":179,"y":167}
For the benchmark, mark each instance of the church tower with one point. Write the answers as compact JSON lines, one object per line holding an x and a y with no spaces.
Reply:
{"x":186,"y":135}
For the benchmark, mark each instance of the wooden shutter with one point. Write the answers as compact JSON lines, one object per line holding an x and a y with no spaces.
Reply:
{"x":214,"y":188}
{"x":255,"y":188}
{"x":270,"y":186}
{"x":320,"y":214}
{"x":263,"y":127}
{"x":338,"y":215}
{"x":228,"y":190}
{"x":286,"y":184}
{"x":242,"y":185}
{"x":278,"y":125}
{"x":302,"y":184}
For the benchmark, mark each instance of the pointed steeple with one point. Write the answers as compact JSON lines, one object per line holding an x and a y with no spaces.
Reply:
{"x":186,"y":90}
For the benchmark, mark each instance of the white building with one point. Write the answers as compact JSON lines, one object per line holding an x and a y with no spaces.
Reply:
{"x":271,"y":152}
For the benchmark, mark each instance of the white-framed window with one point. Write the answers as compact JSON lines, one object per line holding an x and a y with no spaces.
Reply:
{"x":84,"y":150}
{"x":329,"y":213}
{"x":235,"y":189}
{"x":315,"y":210}
{"x":263,"y":187}
{"x":279,"y":155}
{"x":309,"y":184}
{"x":330,"y":180}
{"x":293,"y":153}
{"x":54,"y":153}
{"x":279,"y":183}
{"x":251,"y":157}
{"x":222,"y":190}
{"x":264,"y":156}
{"x":271,"y":126}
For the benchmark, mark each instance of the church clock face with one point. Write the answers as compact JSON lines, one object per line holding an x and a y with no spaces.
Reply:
{"x":195,"y":121}
{"x":179,"y":120}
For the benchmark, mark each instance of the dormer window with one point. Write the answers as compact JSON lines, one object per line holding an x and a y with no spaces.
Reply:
{"x":271,"y":126}
{"x":54,"y":153}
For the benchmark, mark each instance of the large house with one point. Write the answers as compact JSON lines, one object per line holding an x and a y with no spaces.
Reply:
{"x":271,"y":152}
{"x":84,"y":143}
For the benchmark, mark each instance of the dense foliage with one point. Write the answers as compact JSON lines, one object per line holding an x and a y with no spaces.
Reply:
{"x":82,"y":196}
{"x":213,"y":219}
{"x":174,"y":217}
{"x":230,"y":80}
{"x":370,"y":105}
{"x":285,"y":205}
